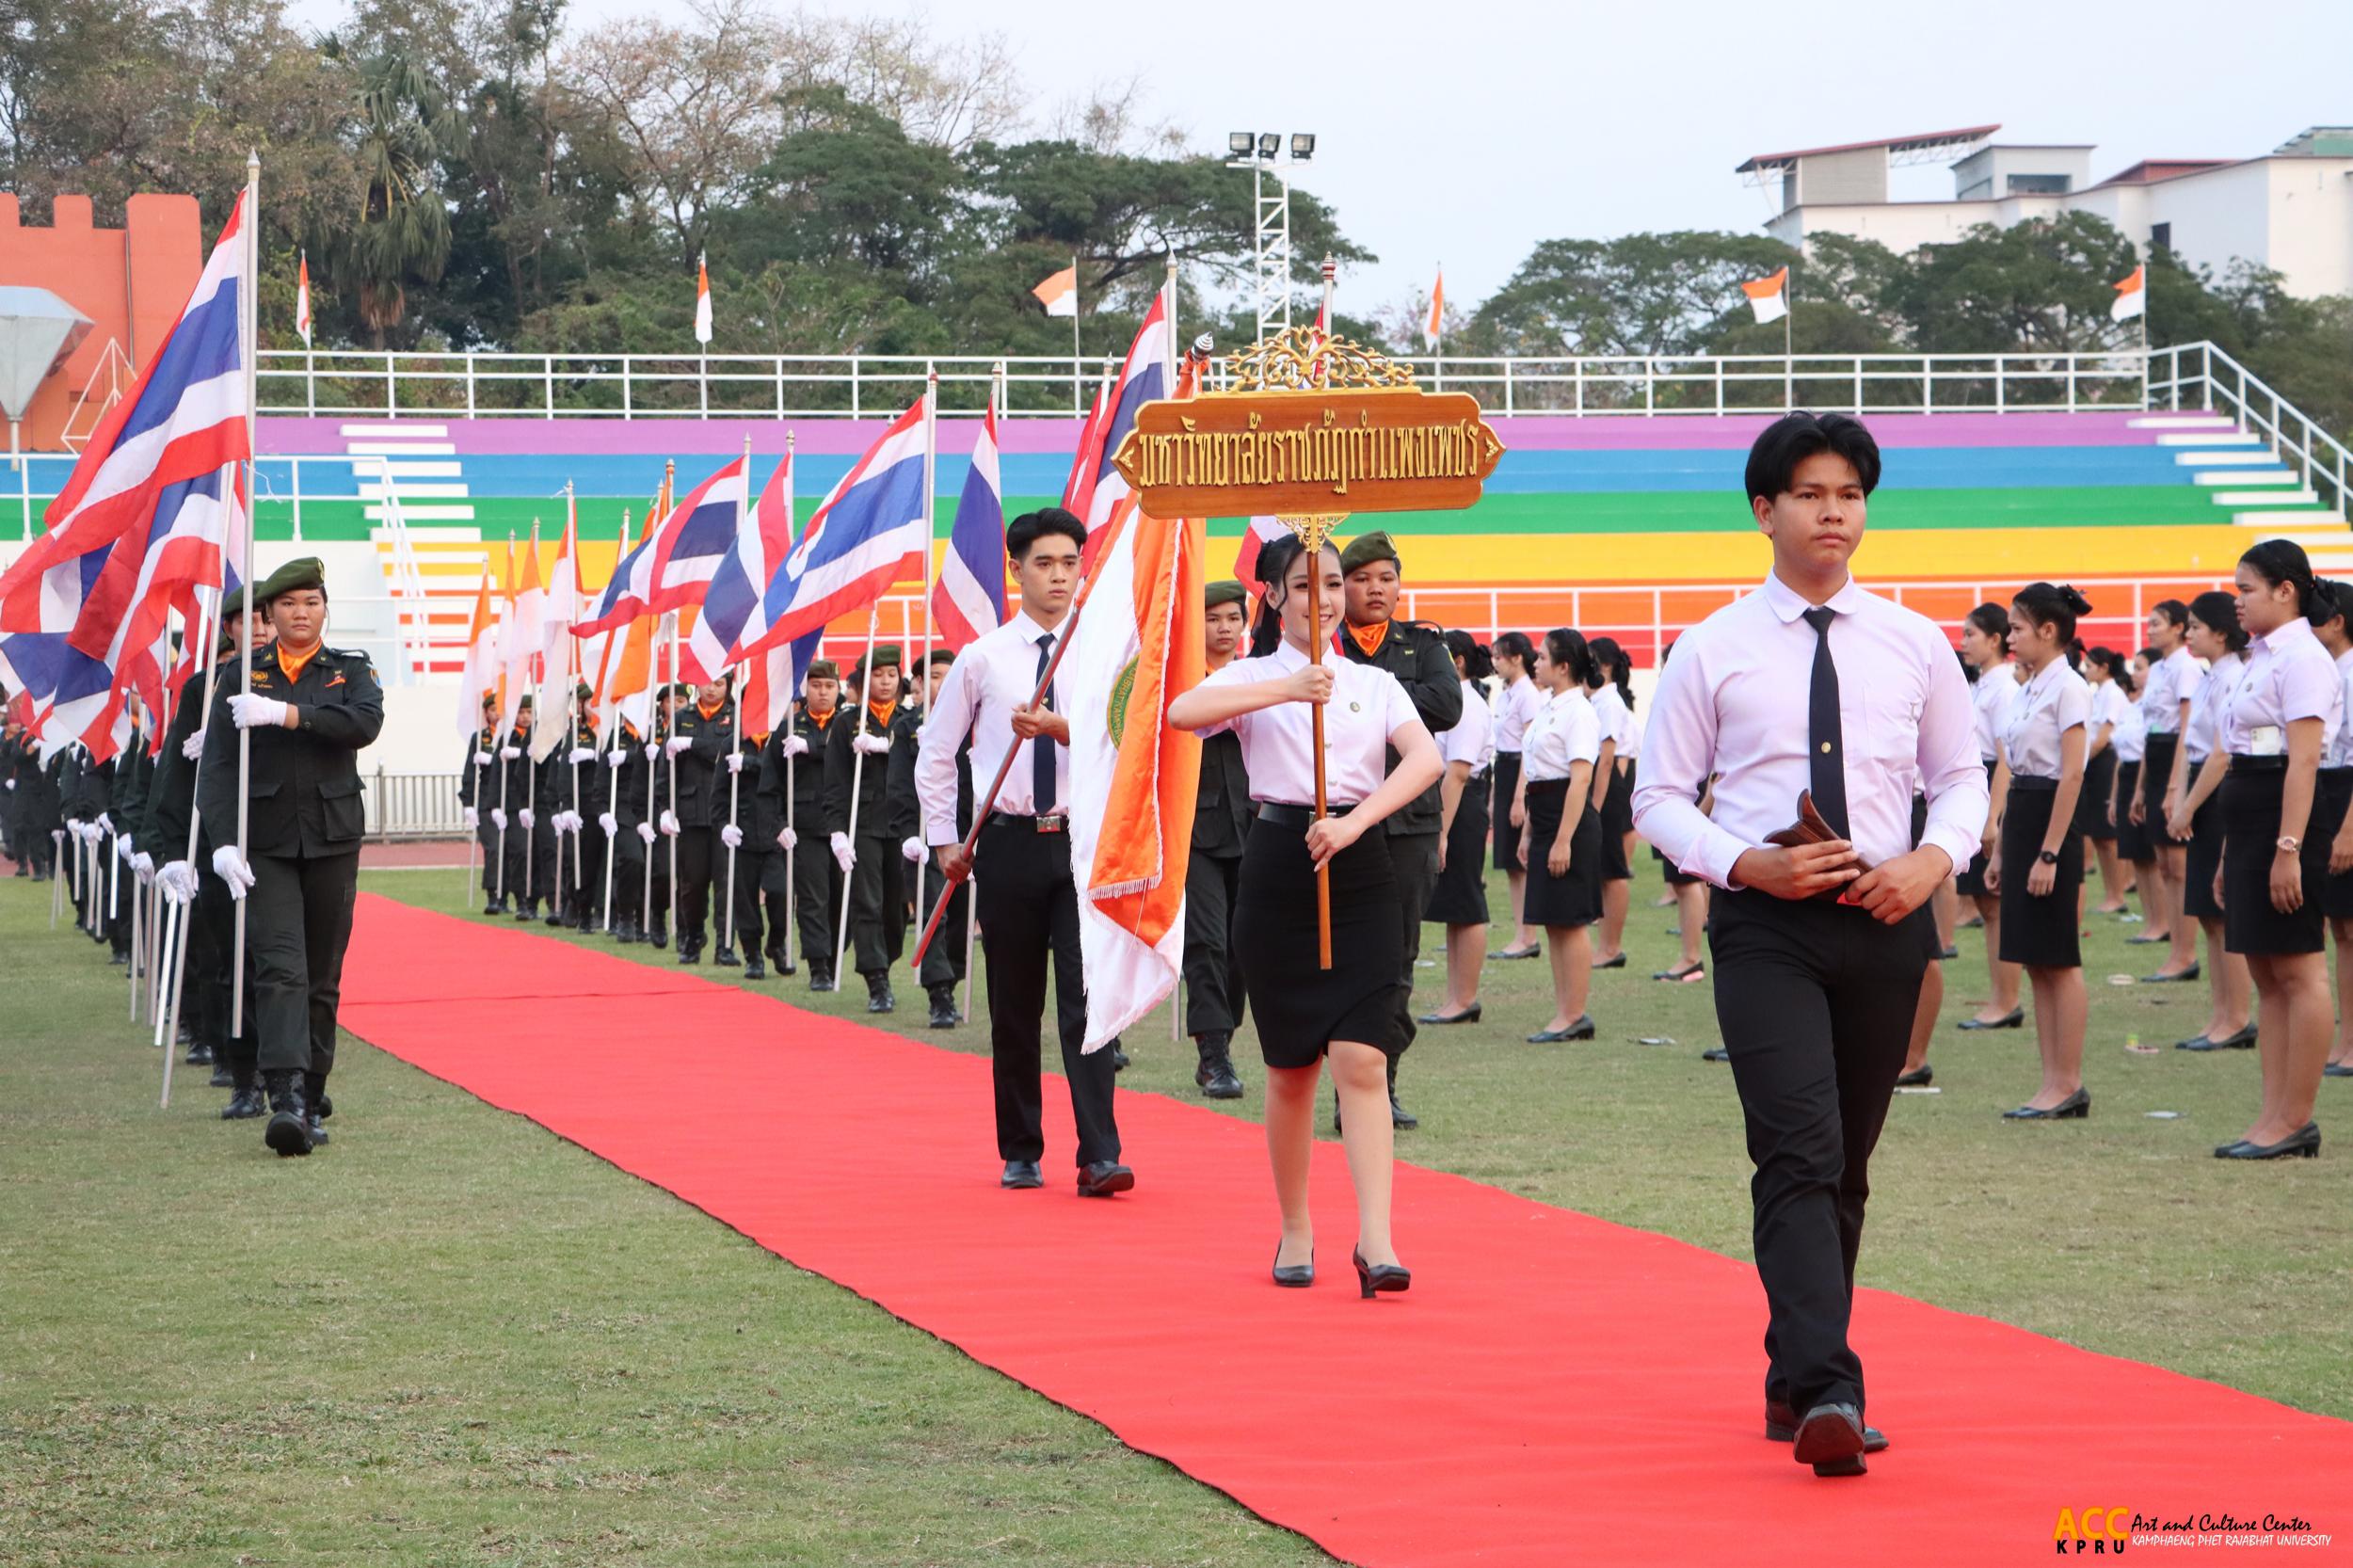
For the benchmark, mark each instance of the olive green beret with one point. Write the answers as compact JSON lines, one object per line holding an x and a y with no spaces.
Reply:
{"x":584,"y":691}
{"x":1365,"y":549}
{"x":307,"y":573}
{"x":526,"y":705}
{"x":822,"y":669}
{"x":883,"y":654}
{"x":1226,"y":592}
{"x":231,"y":609}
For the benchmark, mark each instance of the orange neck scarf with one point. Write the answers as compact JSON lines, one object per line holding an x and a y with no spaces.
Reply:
{"x":1369,"y":638}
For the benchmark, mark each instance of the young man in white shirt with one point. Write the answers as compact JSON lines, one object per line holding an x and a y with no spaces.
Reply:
{"x":1029,"y":905}
{"x":1819,"y":949}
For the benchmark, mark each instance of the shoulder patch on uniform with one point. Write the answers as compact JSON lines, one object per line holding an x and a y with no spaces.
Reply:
{"x":353,"y":653}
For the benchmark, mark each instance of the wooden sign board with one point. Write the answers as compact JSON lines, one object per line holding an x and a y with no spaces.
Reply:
{"x":1284,"y":453}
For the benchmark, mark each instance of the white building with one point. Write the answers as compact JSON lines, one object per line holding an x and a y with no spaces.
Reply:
{"x":2290,"y":210}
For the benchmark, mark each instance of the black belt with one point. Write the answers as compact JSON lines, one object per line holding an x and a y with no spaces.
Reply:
{"x":1282,"y":813}
{"x":2033,"y":784}
{"x":1056,"y":822}
{"x":1483,"y":775}
{"x":2339,"y":774}
{"x":2242,"y":762}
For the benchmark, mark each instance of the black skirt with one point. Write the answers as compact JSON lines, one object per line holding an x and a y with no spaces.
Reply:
{"x":2250,"y":821}
{"x":2203,"y":859}
{"x":2040,"y":932}
{"x":2133,"y":844}
{"x":1971,"y":880}
{"x":1617,"y":821}
{"x":2091,"y":806}
{"x":2336,"y":793}
{"x":1564,"y":901}
{"x":1675,"y":875}
{"x":1459,"y":897}
{"x":1300,"y":1008}
{"x":2156,"y":771}
{"x":1507,"y":788}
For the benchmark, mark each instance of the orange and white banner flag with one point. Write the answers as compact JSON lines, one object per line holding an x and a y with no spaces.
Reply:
{"x":1060,"y":292}
{"x":2131,"y":296}
{"x":702,"y":301}
{"x":302,"y":297}
{"x":1437,"y":328}
{"x":1769,"y":296}
{"x":481,"y":676}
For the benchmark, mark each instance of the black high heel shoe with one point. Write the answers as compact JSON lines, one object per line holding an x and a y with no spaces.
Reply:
{"x":2075,"y":1107}
{"x":2304,"y":1142}
{"x":1380,"y":1278}
{"x":1294,"y":1276}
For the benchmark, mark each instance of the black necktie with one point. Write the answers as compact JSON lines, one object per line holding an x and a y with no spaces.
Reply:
{"x":1826,"y":747}
{"x":1042,"y":749}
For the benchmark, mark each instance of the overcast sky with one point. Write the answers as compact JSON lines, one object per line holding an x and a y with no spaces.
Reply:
{"x":1466,"y":132}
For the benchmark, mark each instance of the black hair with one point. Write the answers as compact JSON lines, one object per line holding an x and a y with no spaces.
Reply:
{"x":2119,"y":668}
{"x":2330,"y":600}
{"x":1792,"y":438}
{"x":1968,"y":671}
{"x":1990,"y":618}
{"x":2278,"y":561}
{"x":1515,"y":645}
{"x":940,"y":656}
{"x":2052,"y":605}
{"x":1027,"y":529}
{"x":1478,"y":664}
{"x":1610,"y":664}
{"x":1275,"y":559}
{"x":1566,"y":647}
{"x":2218,"y":613}
{"x":2172,"y":612}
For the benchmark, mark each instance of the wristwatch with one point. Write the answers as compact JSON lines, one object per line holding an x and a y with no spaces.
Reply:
{"x":2049,"y":857}
{"x":2290,"y":843}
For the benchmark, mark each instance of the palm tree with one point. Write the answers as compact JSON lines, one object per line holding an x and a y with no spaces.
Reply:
{"x":403,"y":231}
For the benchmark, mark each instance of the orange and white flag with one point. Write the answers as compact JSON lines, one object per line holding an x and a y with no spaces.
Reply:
{"x":558,"y":647}
{"x":2131,"y":296}
{"x":1060,"y":292}
{"x":702,"y":300}
{"x":1769,"y":296}
{"x":302,"y":296}
{"x":481,"y":676}
{"x":1437,"y":329}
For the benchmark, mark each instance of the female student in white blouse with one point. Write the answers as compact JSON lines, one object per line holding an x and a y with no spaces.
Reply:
{"x":1514,"y":706}
{"x":1562,"y":765}
{"x":2100,"y":666}
{"x":1459,"y":899}
{"x":2336,"y":798}
{"x":2133,"y":845}
{"x":2041,"y":866}
{"x":2285,"y":711}
{"x":1303,"y":1011}
{"x":2194,"y":813}
{"x":1611,"y":691}
{"x":1985,"y":647}
{"x":2164,"y":699}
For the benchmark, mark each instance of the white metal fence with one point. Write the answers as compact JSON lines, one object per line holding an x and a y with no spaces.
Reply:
{"x":2199,"y":375}
{"x":413,"y":805}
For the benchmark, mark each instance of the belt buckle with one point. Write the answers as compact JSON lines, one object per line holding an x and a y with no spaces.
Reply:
{"x":1050,"y":825}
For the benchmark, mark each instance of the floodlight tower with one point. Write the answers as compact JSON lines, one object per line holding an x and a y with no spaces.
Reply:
{"x":1263,"y":153}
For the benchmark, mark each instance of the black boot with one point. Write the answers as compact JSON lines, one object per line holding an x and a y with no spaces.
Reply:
{"x":944,"y":1013}
{"x":525,"y":908}
{"x":558,"y":917}
{"x":497,"y":904}
{"x":626,"y":930}
{"x":878,"y":997}
{"x":754,"y":970}
{"x":820,"y":977}
{"x":222,"y":1077}
{"x":1215,"y":1076}
{"x":289,"y":1129}
{"x":659,"y":935}
{"x":725,"y":957}
{"x":1399,"y":1117}
{"x":689,"y":950}
{"x":317,"y":1105}
{"x":245,"y":1103}
{"x":199,"y":1055}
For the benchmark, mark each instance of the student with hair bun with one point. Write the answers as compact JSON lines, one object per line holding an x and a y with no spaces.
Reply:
{"x":1985,"y":647}
{"x":1515,"y":705}
{"x":2165,"y":697}
{"x":2195,"y":814}
{"x":2336,"y":806}
{"x":1561,"y":842}
{"x":1459,"y":899}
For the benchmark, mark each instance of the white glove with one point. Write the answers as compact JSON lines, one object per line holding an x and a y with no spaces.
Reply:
{"x":581,"y":754}
{"x":568,"y":821}
{"x":124,"y":849}
{"x":735,"y":761}
{"x":91,"y":833}
{"x":230,"y":868}
{"x":482,"y":759}
{"x":874,"y":745}
{"x":497,"y":819}
{"x":677,"y":743}
{"x":257,"y":712}
{"x":731,"y":836}
{"x":614,"y":757}
{"x":653,"y":753}
{"x":193,"y":748}
{"x":913,"y":850}
{"x":844,"y":856}
{"x":474,"y":818}
{"x":645,"y":831}
{"x":669,"y":822}
{"x":526,"y":817}
{"x":796,"y":746}
{"x":11,"y":783}
{"x":787,"y":839}
{"x":73,"y":825}
{"x":105,"y":824}
{"x":178,"y":881}
{"x":144,"y":864}
{"x":512,"y":754}
{"x":610,"y":824}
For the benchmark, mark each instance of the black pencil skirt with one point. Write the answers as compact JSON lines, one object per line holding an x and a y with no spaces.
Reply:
{"x":2157,"y":771}
{"x":2091,"y":806}
{"x":1971,"y":879}
{"x":1459,"y":897}
{"x":2250,"y":818}
{"x":1573,"y":899}
{"x":2336,"y":795}
{"x":1507,"y":772}
{"x":2040,"y":932}
{"x":1617,"y":821}
{"x":1301,"y":1008}
{"x":2133,"y":844}
{"x":2203,"y":859}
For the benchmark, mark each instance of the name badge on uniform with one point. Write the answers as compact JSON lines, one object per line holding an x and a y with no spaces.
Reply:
{"x":2266,"y":739}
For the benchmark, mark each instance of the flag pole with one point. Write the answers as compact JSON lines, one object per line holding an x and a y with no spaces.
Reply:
{"x":791,"y":782}
{"x":930,"y":525}
{"x":571,"y":682}
{"x":1788,"y":342}
{"x":670,"y":760}
{"x":246,"y":308}
{"x":735,"y":775}
{"x":531,"y":774}
{"x":504,"y":729}
{"x":1078,"y":355}
{"x":1314,"y":534}
{"x":858,"y":777}
{"x":612,"y":740}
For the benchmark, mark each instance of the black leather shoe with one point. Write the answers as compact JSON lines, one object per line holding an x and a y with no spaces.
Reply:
{"x":222,"y":1077}
{"x":1020,"y":1174}
{"x":2075,"y":1107}
{"x":1781,"y":1426}
{"x":1581,"y":1030}
{"x":1119,"y":1060}
{"x":2186,"y":976}
{"x":1468,"y":1015}
{"x":944,"y":1013}
{"x":244,"y":1105}
{"x":659,"y":936}
{"x":821,"y":980}
{"x":2014,"y":1019}
{"x":878,"y":997}
{"x":1715,"y":1053}
{"x":2303,"y":1143}
{"x":495,"y":907}
{"x":1682,"y":976}
{"x":2243,"y":1040}
{"x":318,"y":1133}
{"x":1616,"y":963}
{"x":1380,"y":1279}
{"x":1919,"y":1077}
{"x":689,"y":955}
{"x":199,"y":1055}
{"x":1832,"y":1439}
{"x":2337,"y":1069}
{"x":725,"y":958}
{"x":1217,"y":1079}
{"x":557,"y":917}
{"x":289,"y":1129}
{"x":1294,"y":1276}
{"x":754,"y":970}
{"x":1533,"y":950}
{"x":1105,"y":1177}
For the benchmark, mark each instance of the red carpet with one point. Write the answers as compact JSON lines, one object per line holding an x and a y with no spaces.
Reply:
{"x":1554,"y":1389}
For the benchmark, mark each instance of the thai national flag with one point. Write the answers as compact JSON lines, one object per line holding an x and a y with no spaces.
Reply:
{"x":731,"y":607}
{"x":1143,"y":379}
{"x":869,"y":534}
{"x":674,"y":563}
{"x":970,"y":597}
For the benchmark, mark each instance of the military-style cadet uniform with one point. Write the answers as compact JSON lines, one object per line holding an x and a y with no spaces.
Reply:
{"x":1416,"y":654}
{"x":39,"y":810}
{"x":1221,"y":827}
{"x":701,"y":811}
{"x":305,"y":822}
{"x":530,"y":839}
{"x":796,"y":783}
{"x":760,"y":882}
{"x":578,"y":877}
{"x":478,"y":793}
{"x":944,"y":960}
{"x":130,"y":773}
{"x":82,"y":787}
{"x":12,"y":835}
{"x":640,"y":794}
{"x":878,"y":882}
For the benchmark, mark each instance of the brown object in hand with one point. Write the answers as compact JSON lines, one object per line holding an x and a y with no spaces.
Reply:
{"x":1811,"y":828}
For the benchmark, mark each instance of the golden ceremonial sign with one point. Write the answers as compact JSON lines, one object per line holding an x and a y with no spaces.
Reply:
{"x":1311,"y":425}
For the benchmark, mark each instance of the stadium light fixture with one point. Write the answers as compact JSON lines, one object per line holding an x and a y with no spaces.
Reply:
{"x":1302,"y":145}
{"x":1270,"y":144}
{"x":1239,"y":143}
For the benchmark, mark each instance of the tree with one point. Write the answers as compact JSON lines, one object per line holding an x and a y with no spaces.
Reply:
{"x":402,"y":232}
{"x":1637,"y":296}
{"x":2042,"y":285}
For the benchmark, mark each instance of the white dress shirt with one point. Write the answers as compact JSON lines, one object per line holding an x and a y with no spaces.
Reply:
{"x":997,"y":674}
{"x":1472,"y":739}
{"x":1617,"y":721}
{"x":2172,"y":680}
{"x":2108,"y":707}
{"x":2057,"y":700}
{"x":1989,"y":705}
{"x":2211,"y":695}
{"x":2131,"y":736}
{"x":1734,"y":703}
{"x":2289,"y":676}
{"x":1564,"y":730}
{"x":1514,"y":709}
{"x":1368,"y":708}
{"x":2339,"y":752}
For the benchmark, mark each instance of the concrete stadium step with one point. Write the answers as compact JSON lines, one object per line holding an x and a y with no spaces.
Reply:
{"x":401,"y":449}
{"x":2267,"y":497}
{"x":2223,"y":460}
{"x":2317,"y":517}
{"x":2183,"y":422}
{"x":374,"y":490}
{"x":402,"y":472}
{"x":2209,"y":437}
{"x":435,"y":512}
{"x":402,"y":428}
{"x":2248,"y":477}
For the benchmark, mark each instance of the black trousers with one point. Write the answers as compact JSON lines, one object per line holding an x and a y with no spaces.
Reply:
{"x":700,"y":856}
{"x":579,"y":875}
{"x":634,"y":861}
{"x":205,"y":1001}
{"x":297,"y":925}
{"x":1814,"y":1000}
{"x":486,"y":833}
{"x":1213,"y":998}
{"x":1414,"y":857}
{"x":760,"y":884}
{"x":878,"y":905}
{"x":530,"y":860}
{"x":943,"y":961}
{"x":816,"y":902}
{"x":1029,"y":912}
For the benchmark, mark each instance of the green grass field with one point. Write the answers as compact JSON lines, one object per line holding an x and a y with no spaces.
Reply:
{"x":451,"y":1338}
